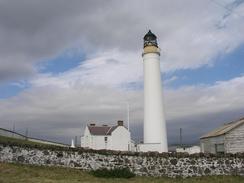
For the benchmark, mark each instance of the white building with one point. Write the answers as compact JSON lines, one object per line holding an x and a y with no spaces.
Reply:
{"x":189,"y":150}
{"x":107,"y":137}
{"x":155,"y":136}
{"x":228,"y":138}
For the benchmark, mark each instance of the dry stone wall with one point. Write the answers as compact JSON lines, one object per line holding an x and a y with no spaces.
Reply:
{"x":146,"y":164}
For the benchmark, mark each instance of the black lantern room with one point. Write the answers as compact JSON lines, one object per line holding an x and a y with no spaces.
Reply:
{"x":150,"y":39}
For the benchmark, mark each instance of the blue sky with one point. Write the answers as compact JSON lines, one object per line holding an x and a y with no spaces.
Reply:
{"x":63,"y":67}
{"x":224,"y":67}
{"x":67,"y":60}
{"x":9,"y":90}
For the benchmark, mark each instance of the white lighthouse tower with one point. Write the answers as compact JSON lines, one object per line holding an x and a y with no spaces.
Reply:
{"x":155,"y":136}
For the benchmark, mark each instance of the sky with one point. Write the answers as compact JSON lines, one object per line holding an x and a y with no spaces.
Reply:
{"x":65,"y":64}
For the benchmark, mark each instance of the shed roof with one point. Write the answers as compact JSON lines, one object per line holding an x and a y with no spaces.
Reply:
{"x":101,"y":130}
{"x":224,"y":129}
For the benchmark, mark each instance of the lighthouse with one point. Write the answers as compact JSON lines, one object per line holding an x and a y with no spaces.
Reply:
{"x":155,"y":135}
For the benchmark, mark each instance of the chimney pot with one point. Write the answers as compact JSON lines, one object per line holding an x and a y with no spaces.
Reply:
{"x":120,"y":123}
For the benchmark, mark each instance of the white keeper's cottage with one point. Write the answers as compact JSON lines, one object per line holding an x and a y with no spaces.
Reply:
{"x":107,"y":137}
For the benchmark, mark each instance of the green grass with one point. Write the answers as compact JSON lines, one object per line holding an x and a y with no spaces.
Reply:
{"x":25,"y":143}
{"x":12,"y":173}
{"x":113,"y":173}
{"x":13,"y":141}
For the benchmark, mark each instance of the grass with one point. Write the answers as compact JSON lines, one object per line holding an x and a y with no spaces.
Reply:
{"x":113,"y":173}
{"x":12,"y":173}
{"x":15,"y":141}
{"x":10,"y":141}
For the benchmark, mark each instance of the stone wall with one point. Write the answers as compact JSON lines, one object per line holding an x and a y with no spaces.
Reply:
{"x":147,"y":164}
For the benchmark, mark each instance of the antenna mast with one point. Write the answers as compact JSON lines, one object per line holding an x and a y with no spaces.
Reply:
{"x":180,"y":137}
{"x":128,"y":115}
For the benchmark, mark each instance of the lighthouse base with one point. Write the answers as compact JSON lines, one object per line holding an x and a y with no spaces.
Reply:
{"x":149,"y":147}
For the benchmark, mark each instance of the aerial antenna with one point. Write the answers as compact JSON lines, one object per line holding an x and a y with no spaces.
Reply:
{"x":76,"y":141}
{"x":26,"y":133}
{"x":128,"y":116}
{"x":13,"y":127}
{"x":180,"y":137}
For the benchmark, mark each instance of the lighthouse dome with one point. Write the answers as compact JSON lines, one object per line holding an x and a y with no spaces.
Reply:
{"x":150,"y":39}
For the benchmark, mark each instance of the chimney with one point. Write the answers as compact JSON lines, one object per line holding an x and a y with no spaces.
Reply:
{"x":92,"y":124}
{"x":120,"y":123}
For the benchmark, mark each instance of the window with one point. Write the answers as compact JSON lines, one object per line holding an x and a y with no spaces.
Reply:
{"x":106,"y":139}
{"x":219,"y":148}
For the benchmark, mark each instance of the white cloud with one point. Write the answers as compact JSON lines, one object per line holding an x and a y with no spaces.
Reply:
{"x":55,"y":108}
{"x":170,"y":80}
{"x":204,"y":100}
{"x":191,"y":33}
{"x":111,"y":68}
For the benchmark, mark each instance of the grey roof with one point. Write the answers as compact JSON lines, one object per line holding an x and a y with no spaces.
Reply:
{"x":224,"y":129}
{"x":101,"y":130}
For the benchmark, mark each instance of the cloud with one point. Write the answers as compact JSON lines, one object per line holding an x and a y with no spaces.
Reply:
{"x":113,"y":69}
{"x":55,"y":106}
{"x":48,"y":111}
{"x":193,"y":101}
{"x":171,"y":80}
{"x":191,"y":34}
{"x":59,"y":113}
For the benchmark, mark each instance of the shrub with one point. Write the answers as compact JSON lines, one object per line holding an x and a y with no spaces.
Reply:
{"x":113,"y":173}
